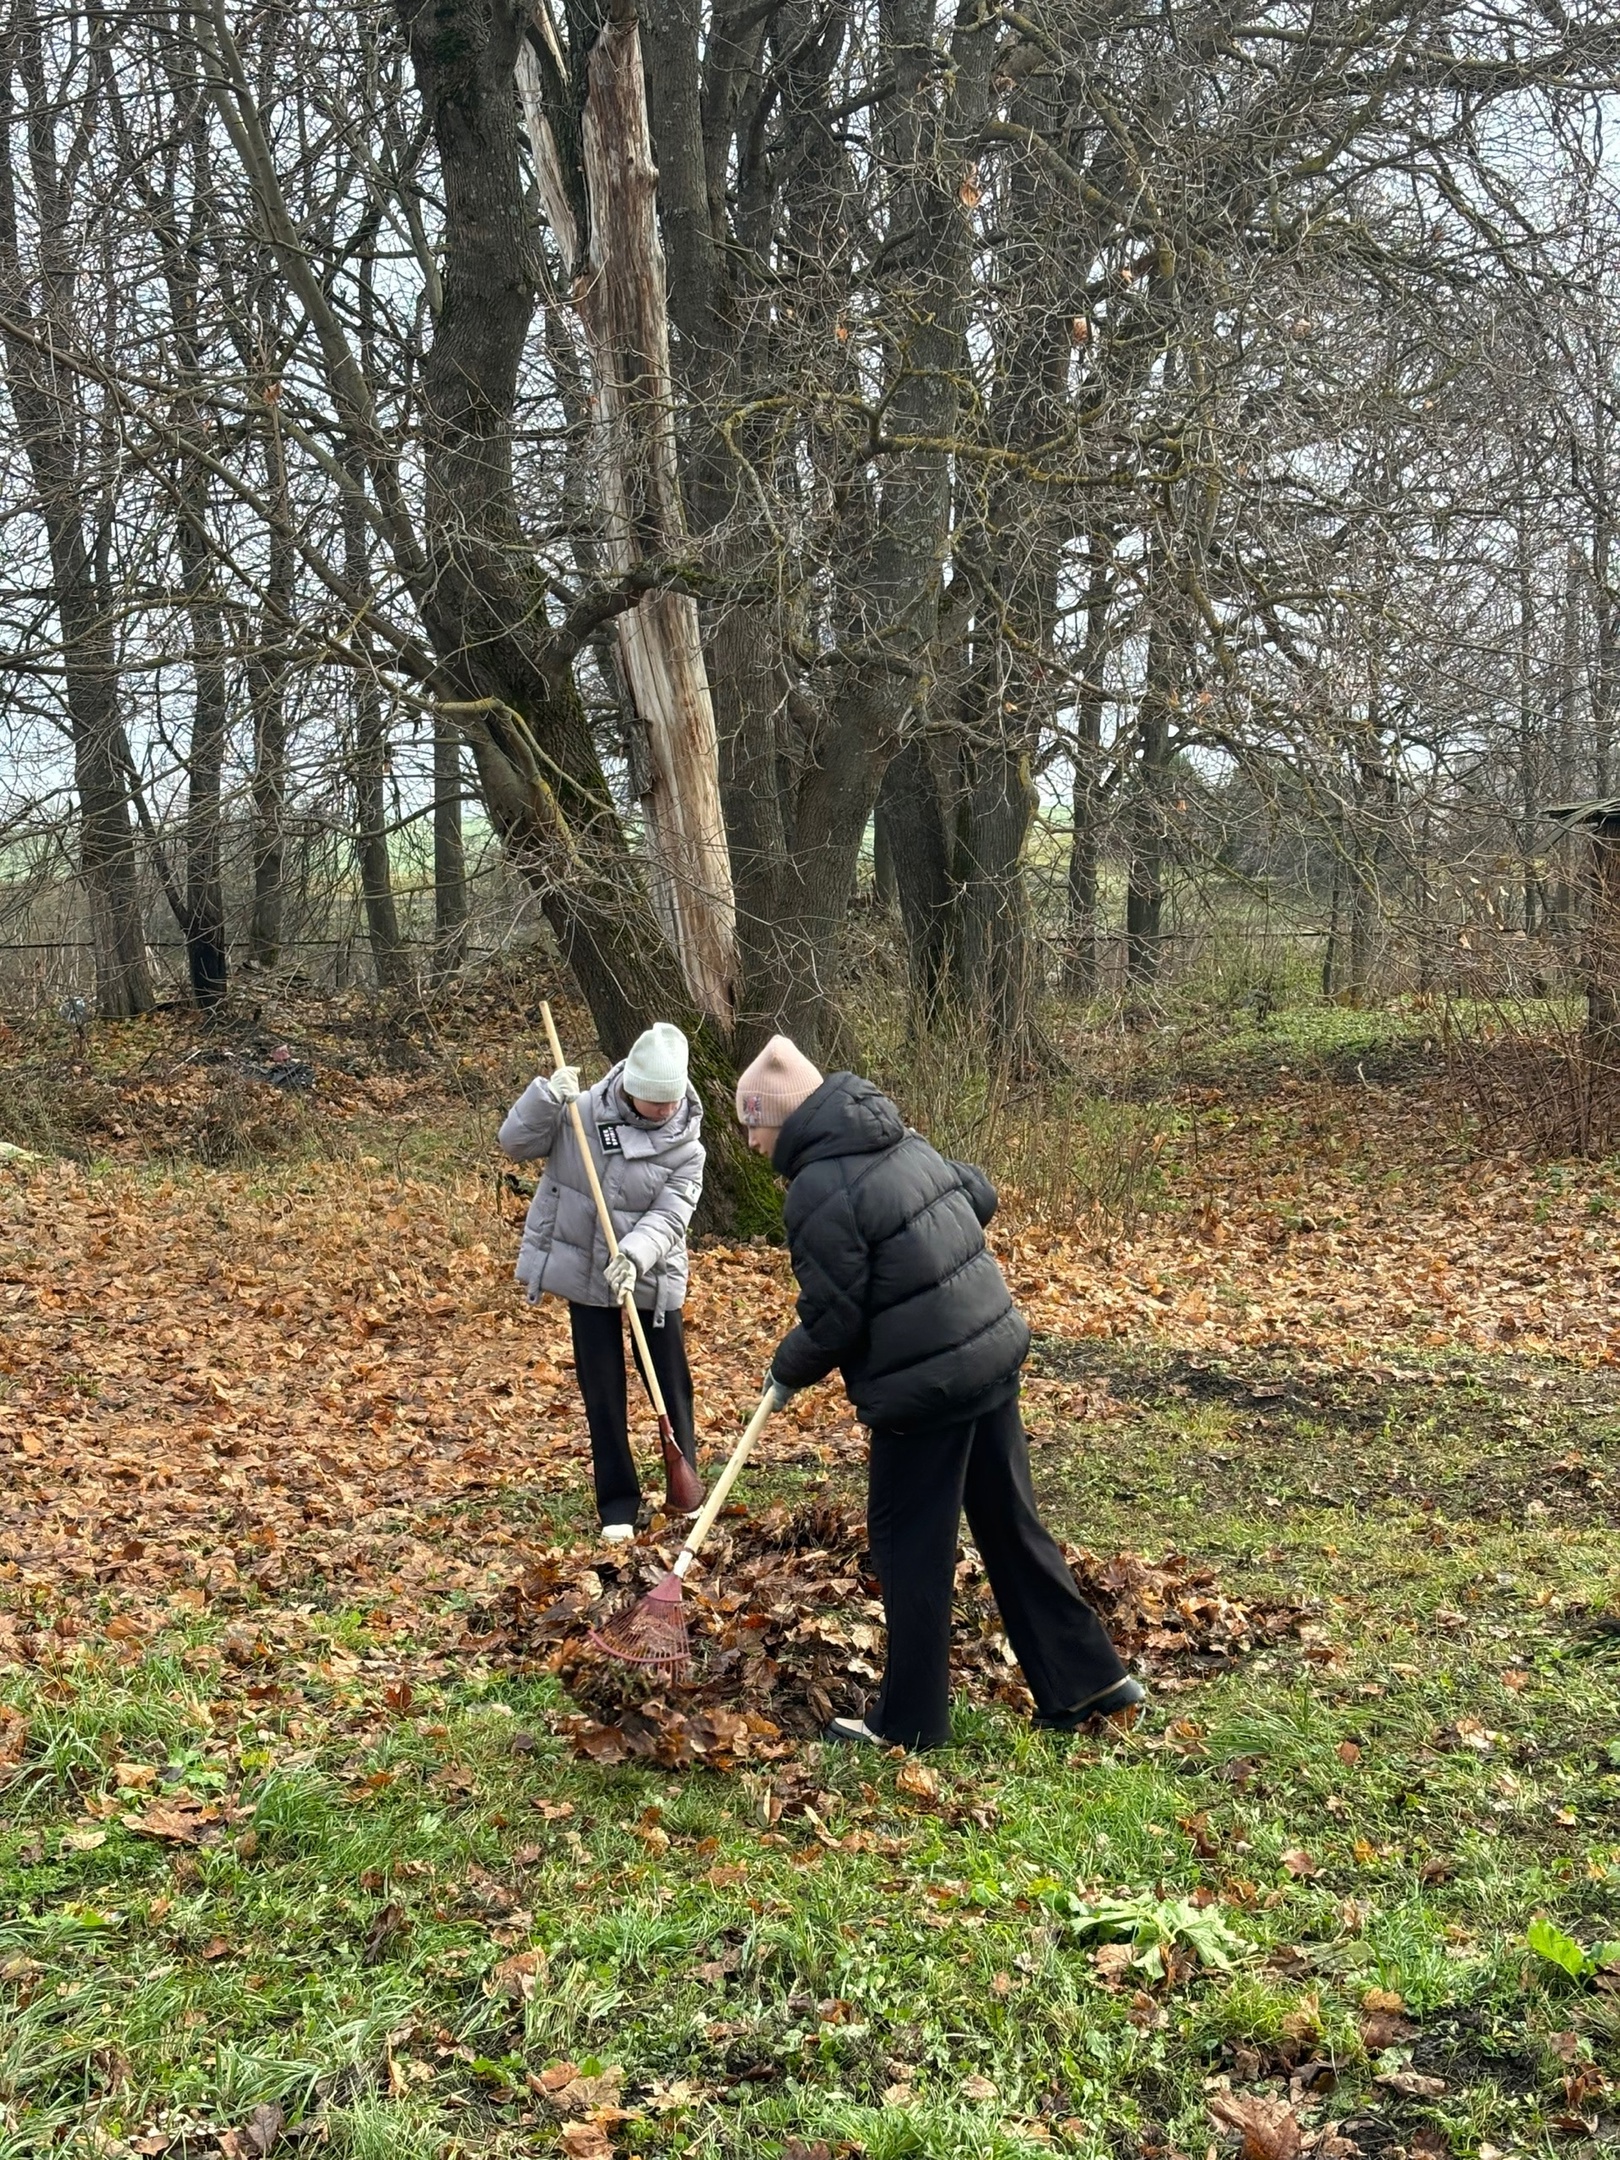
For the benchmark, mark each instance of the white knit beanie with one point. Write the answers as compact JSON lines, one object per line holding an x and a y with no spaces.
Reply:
{"x":656,"y":1067}
{"x":773,"y":1087}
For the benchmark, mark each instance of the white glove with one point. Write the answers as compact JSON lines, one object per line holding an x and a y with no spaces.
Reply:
{"x":621,"y":1277}
{"x":564,"y":1084}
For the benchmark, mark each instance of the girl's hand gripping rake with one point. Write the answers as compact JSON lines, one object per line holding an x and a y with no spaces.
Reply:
{"x":653,"y":1631}
{"x":683,"y":1489}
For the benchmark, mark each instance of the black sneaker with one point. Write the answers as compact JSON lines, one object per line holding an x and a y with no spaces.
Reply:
{"x":853,"y":1731}
{"x":1126,"y":1694}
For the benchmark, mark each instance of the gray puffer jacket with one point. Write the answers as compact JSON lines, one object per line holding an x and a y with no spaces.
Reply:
{"x":651,"y":1174}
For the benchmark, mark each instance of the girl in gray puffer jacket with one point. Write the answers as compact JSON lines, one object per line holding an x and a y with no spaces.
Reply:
{"x":643,"y":1121}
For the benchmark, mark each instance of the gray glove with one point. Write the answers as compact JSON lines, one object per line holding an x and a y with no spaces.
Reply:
{"x":621,"y":1274}
{"x":780,"y":1393}
{"x":564,"y":1084}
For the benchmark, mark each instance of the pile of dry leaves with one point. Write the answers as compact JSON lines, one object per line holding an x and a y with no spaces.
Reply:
{"x":787,"y":1632}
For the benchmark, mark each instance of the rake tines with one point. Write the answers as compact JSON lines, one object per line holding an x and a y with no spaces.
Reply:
{"x":651,"y":1632}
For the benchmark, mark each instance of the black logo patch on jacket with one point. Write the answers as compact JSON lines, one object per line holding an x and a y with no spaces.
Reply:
{"x":609,"y":1137}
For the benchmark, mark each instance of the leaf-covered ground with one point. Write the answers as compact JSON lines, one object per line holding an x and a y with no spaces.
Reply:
{"x":293,"y":1848}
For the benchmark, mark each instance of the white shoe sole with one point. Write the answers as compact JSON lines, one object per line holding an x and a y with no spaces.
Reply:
{"x":617,"y":1533}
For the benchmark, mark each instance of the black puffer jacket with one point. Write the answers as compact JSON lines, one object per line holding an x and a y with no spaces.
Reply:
{"x":896,"y":1284}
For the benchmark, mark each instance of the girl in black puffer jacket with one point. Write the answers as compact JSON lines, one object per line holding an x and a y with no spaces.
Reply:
{"x":898,"y":1289}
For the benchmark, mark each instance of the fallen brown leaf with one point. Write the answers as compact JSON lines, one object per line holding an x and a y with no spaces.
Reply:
{"x":516,"y":1978}
{"x":263,"y":2127}
{"x":585,"y":2141}
{"x":1269,"y":2129}
{"x":171,"y":1824}
{"x":588,"y":2093}
{"x":1384,"y":2029}
{"x":1411,"y":2084}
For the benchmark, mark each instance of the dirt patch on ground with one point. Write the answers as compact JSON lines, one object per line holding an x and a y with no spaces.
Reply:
{"x":1472,"y":1444}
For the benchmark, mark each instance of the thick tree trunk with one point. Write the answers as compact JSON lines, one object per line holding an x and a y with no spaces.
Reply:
{"x":486,"y":607}
{"x":995,"y":961}
{"x":106,"y":835}
{"x":1144,"y":883}
{"x":1010,"y":532}
{"x":485,"y":604}
{"x":698,"y":64}
{"x":912,"y":816}
{"x":803,"y":751}
{"x":1149,"y":810}
{"x":1335,"y":930}
{"x":186,"y":240}
{"x":204,"y":925}
{"x":995,"y":940}
{"x":388,"y":954}
{"x":1369,"y":839}
{"x":1081,"y":971}
{"x":897,"y":529}
{"x":44,"y":405}
{"x":617,"y":265}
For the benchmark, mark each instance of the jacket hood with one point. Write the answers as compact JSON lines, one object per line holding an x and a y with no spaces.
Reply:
{"x":845,"y":1116}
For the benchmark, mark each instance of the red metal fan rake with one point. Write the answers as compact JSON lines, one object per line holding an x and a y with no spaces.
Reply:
{"x":652,"y":1632}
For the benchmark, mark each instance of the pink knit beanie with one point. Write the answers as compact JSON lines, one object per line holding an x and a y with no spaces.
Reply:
{"x":773,"y":1087}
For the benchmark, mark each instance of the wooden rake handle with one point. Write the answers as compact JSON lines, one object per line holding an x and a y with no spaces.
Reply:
{"x":723,"y":1484}
{"x":606,"y":1220}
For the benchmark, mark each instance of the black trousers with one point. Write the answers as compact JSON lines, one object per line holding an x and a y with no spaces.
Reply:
{"x":919,"y":1485}
{"x":598,"y":1332}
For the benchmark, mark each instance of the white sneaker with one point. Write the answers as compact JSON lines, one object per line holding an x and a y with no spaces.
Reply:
{"x":848,"y":1729}
{"x":617,"y":1533}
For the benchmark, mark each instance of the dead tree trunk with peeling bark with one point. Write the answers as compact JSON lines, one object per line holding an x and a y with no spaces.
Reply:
{"x":616,"y":266}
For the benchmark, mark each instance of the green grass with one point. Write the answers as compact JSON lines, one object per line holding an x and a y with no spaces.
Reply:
{"x":1379,"y":1808}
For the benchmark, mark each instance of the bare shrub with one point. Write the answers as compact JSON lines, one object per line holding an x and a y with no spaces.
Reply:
{"x":240,"y":1121}
{"x":1541,"y":1081}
